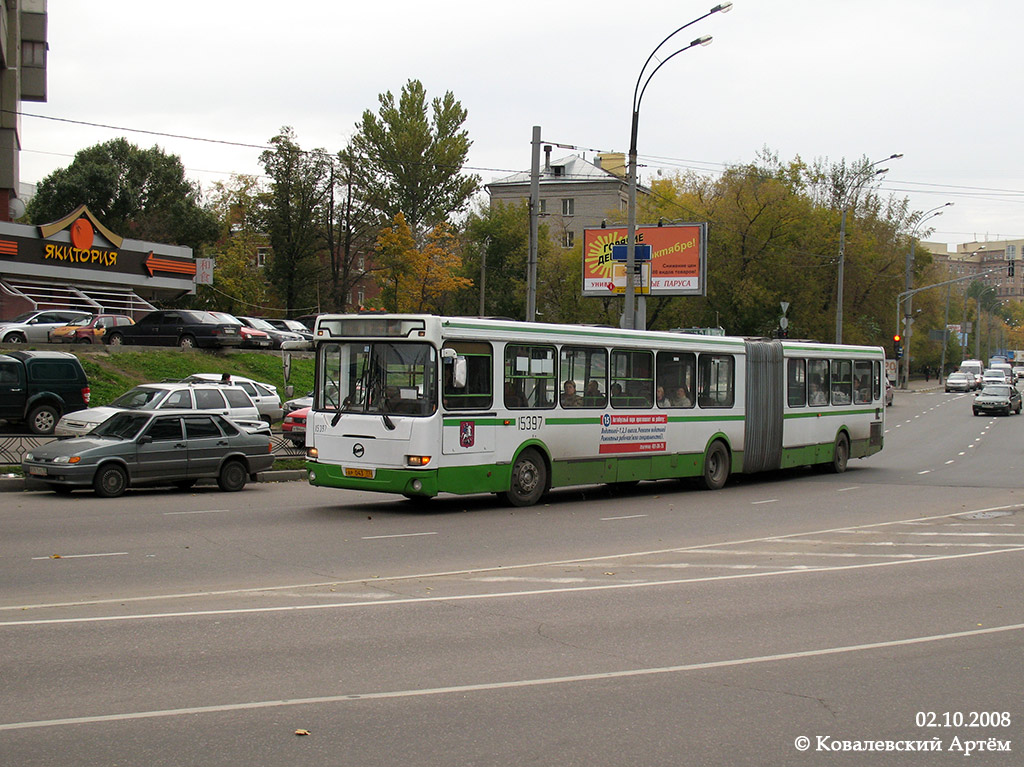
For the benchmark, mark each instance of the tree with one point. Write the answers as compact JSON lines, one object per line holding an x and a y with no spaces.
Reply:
{"x":419,"y":280}
{"x":138,"y":193}
{"x":295,"y":217}
{"x":414,"y":159}
{"x":354,"y":227}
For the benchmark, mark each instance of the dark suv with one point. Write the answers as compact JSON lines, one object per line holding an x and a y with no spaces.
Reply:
{"x":178,"y":327}
{"x":37,"y":388}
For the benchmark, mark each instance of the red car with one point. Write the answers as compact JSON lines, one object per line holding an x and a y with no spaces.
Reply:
{"x":294,"y":426}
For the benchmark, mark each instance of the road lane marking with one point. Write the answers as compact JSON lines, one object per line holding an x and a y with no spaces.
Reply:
{"x":396,"y":535}
{"x":992,"y":548}
{"x":771,"y":500}
{"x":207,"y":511}
{"x":627,"y":516}
{"x":504,"y":568}
{"x":82,"y":556}
{"x":512,"y":684}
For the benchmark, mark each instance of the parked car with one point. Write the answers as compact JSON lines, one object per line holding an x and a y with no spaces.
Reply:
{"x":292,"y":326}
{"x":178,"y":327}
{"x":294,"y":426}
{"x":997,"y":398}
{"x":229,"y":401}
{"x":263,"y":395}
{"x":299,"y":402}
{"x":38,"y":387}
{"x":89,"y":330}
{"x":251,"y":337}
{"x":959,"y":382}
{"x":1018,"y":372}
{"x":277,"y":336}
{"x":35,"y":327}
{"x":162,"y":447}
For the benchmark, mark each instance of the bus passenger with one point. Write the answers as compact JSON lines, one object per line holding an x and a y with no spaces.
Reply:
{"x":682,"y":398}
{"x":815,"y":394}
{"x":569,"y":396}
{"x":593,"y":397}
{"x":660,"y":397}
{"x":513,"y":398}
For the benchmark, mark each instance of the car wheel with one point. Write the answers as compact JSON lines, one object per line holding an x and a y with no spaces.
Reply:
{"x":841,"y":454}
{"x":976,"y":412}
{"x":529,"y":479}
{"x":114,"y":339}
{"x":717,"y":466}
{"x":110,"y":481}
{"x":42,"y":419}
{"x":232,"y":477}
{"x":187,"y":343}
{"x":14,"y":338}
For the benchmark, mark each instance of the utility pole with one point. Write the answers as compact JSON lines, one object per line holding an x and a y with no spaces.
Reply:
{"x":531,"y":265}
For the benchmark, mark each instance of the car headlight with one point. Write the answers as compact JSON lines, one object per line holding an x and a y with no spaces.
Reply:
{"x":67,"y":459}
{"x":29,"y":457}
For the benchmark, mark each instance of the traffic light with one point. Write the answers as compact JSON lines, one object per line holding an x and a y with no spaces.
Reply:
{"x":897,"y":346}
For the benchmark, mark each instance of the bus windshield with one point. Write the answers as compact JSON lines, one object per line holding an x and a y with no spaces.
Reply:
{"x":377,"y":377}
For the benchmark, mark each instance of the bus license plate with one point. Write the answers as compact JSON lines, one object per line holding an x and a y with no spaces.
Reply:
{"x":359,"y":473}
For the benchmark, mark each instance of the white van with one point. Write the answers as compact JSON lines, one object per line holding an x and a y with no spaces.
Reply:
{"x":973,"y":368}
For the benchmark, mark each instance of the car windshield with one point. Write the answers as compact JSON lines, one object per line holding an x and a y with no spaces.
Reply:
{"x":295,"y":325}
{"x":121,"y":426}
{"x":261,"y":324}
{"x":230,"y":319}
{"x":140,"y":398}
{"x":996,"y":391}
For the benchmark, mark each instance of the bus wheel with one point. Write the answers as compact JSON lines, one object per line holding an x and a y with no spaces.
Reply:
{"x":529,"y":479}
{"x":716,"y":466}
{"x":841,"y":454}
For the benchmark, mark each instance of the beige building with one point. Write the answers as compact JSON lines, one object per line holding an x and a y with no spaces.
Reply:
{"x":574,"y":193}
{"x":986,"y":260}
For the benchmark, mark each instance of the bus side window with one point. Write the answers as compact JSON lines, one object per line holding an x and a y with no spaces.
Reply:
{"x":530,"y":374}
{"x":796,"y":383}
{"x":476,"y":393}
{"x":715,"y":374}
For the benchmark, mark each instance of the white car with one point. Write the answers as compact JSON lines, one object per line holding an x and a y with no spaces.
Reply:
{"x":35,"y":327}
{"x":230,"y":401}
{"x":263,"y":395}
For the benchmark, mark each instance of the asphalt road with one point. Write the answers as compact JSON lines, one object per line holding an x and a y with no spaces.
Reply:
{"x":659,"y":626}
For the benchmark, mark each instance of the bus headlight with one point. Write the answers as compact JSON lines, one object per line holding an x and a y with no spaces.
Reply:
{"x":417,"y":460}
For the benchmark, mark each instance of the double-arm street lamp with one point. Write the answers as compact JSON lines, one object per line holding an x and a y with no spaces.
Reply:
{"x":907,"y":329}
{"x":860,"y":178}
{"x":629,"y":318}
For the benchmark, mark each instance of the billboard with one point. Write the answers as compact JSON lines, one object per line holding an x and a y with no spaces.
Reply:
{"x":678,"y":265}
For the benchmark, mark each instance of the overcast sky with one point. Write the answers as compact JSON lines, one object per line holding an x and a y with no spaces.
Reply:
{"x":938,"y":80}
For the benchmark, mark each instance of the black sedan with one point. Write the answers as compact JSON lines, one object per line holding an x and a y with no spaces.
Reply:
{"x":162,"y":447}
{"x":997,"y":398}
{"x":177,"y":327}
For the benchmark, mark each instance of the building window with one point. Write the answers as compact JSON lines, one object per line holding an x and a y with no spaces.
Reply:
{"x":362,"y":263}
{"x":261,"y":256}
{"x":33,"y":54}
{"x":569,"y":239}
{"x":543,"y":207}
{"x":568,"y":207}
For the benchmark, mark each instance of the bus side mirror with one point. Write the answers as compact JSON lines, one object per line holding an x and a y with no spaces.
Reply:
{"x":459,"y":368}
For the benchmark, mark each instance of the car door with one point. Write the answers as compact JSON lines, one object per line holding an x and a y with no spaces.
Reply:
{"x":206,"y":445}
{"x":161,"y":451}
{"x":12,"y":389}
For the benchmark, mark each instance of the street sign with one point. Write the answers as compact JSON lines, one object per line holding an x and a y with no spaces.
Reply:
{"x":640,"y":253}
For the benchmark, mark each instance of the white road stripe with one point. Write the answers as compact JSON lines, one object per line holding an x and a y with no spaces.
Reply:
{"x":511,"y":684}
{"x":207,"y":511}
{"x":396,"y":535}
{"x":82,"y":556}
{"x":627,"y":516}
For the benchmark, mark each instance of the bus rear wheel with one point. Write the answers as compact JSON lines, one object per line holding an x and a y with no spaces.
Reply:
{"x":529,"y":479}
{"x":840,"y":455}
{"x":716,"y":466}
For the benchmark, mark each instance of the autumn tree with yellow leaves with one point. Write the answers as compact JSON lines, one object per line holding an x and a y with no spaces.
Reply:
{"x":418,"y":280}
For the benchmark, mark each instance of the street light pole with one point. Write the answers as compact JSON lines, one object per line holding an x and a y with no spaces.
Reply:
{"x":860,"y":179}
{"x":629,"y":310}
{"x":907,"y":320}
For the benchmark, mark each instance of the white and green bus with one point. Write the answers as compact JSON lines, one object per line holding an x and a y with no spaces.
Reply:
{"x":419,"y":405}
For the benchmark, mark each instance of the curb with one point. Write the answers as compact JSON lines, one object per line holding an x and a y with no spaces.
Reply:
{"x":19,"y":484}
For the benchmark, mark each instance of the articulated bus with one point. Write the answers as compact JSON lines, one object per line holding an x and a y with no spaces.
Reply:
{"x":419,"y":405}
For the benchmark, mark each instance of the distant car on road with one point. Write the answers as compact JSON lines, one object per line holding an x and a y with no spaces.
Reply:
{"x":158,"y":447}
{"x":1018,"y":372}
{"x":959,"y":382}
{"x":997,"y":398}
{"x":89,"y":330}
{"x":35,"y":327}
{"x":993,"y":376}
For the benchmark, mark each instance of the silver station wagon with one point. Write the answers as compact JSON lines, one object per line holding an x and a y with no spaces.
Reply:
{"x":163,"y":447}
